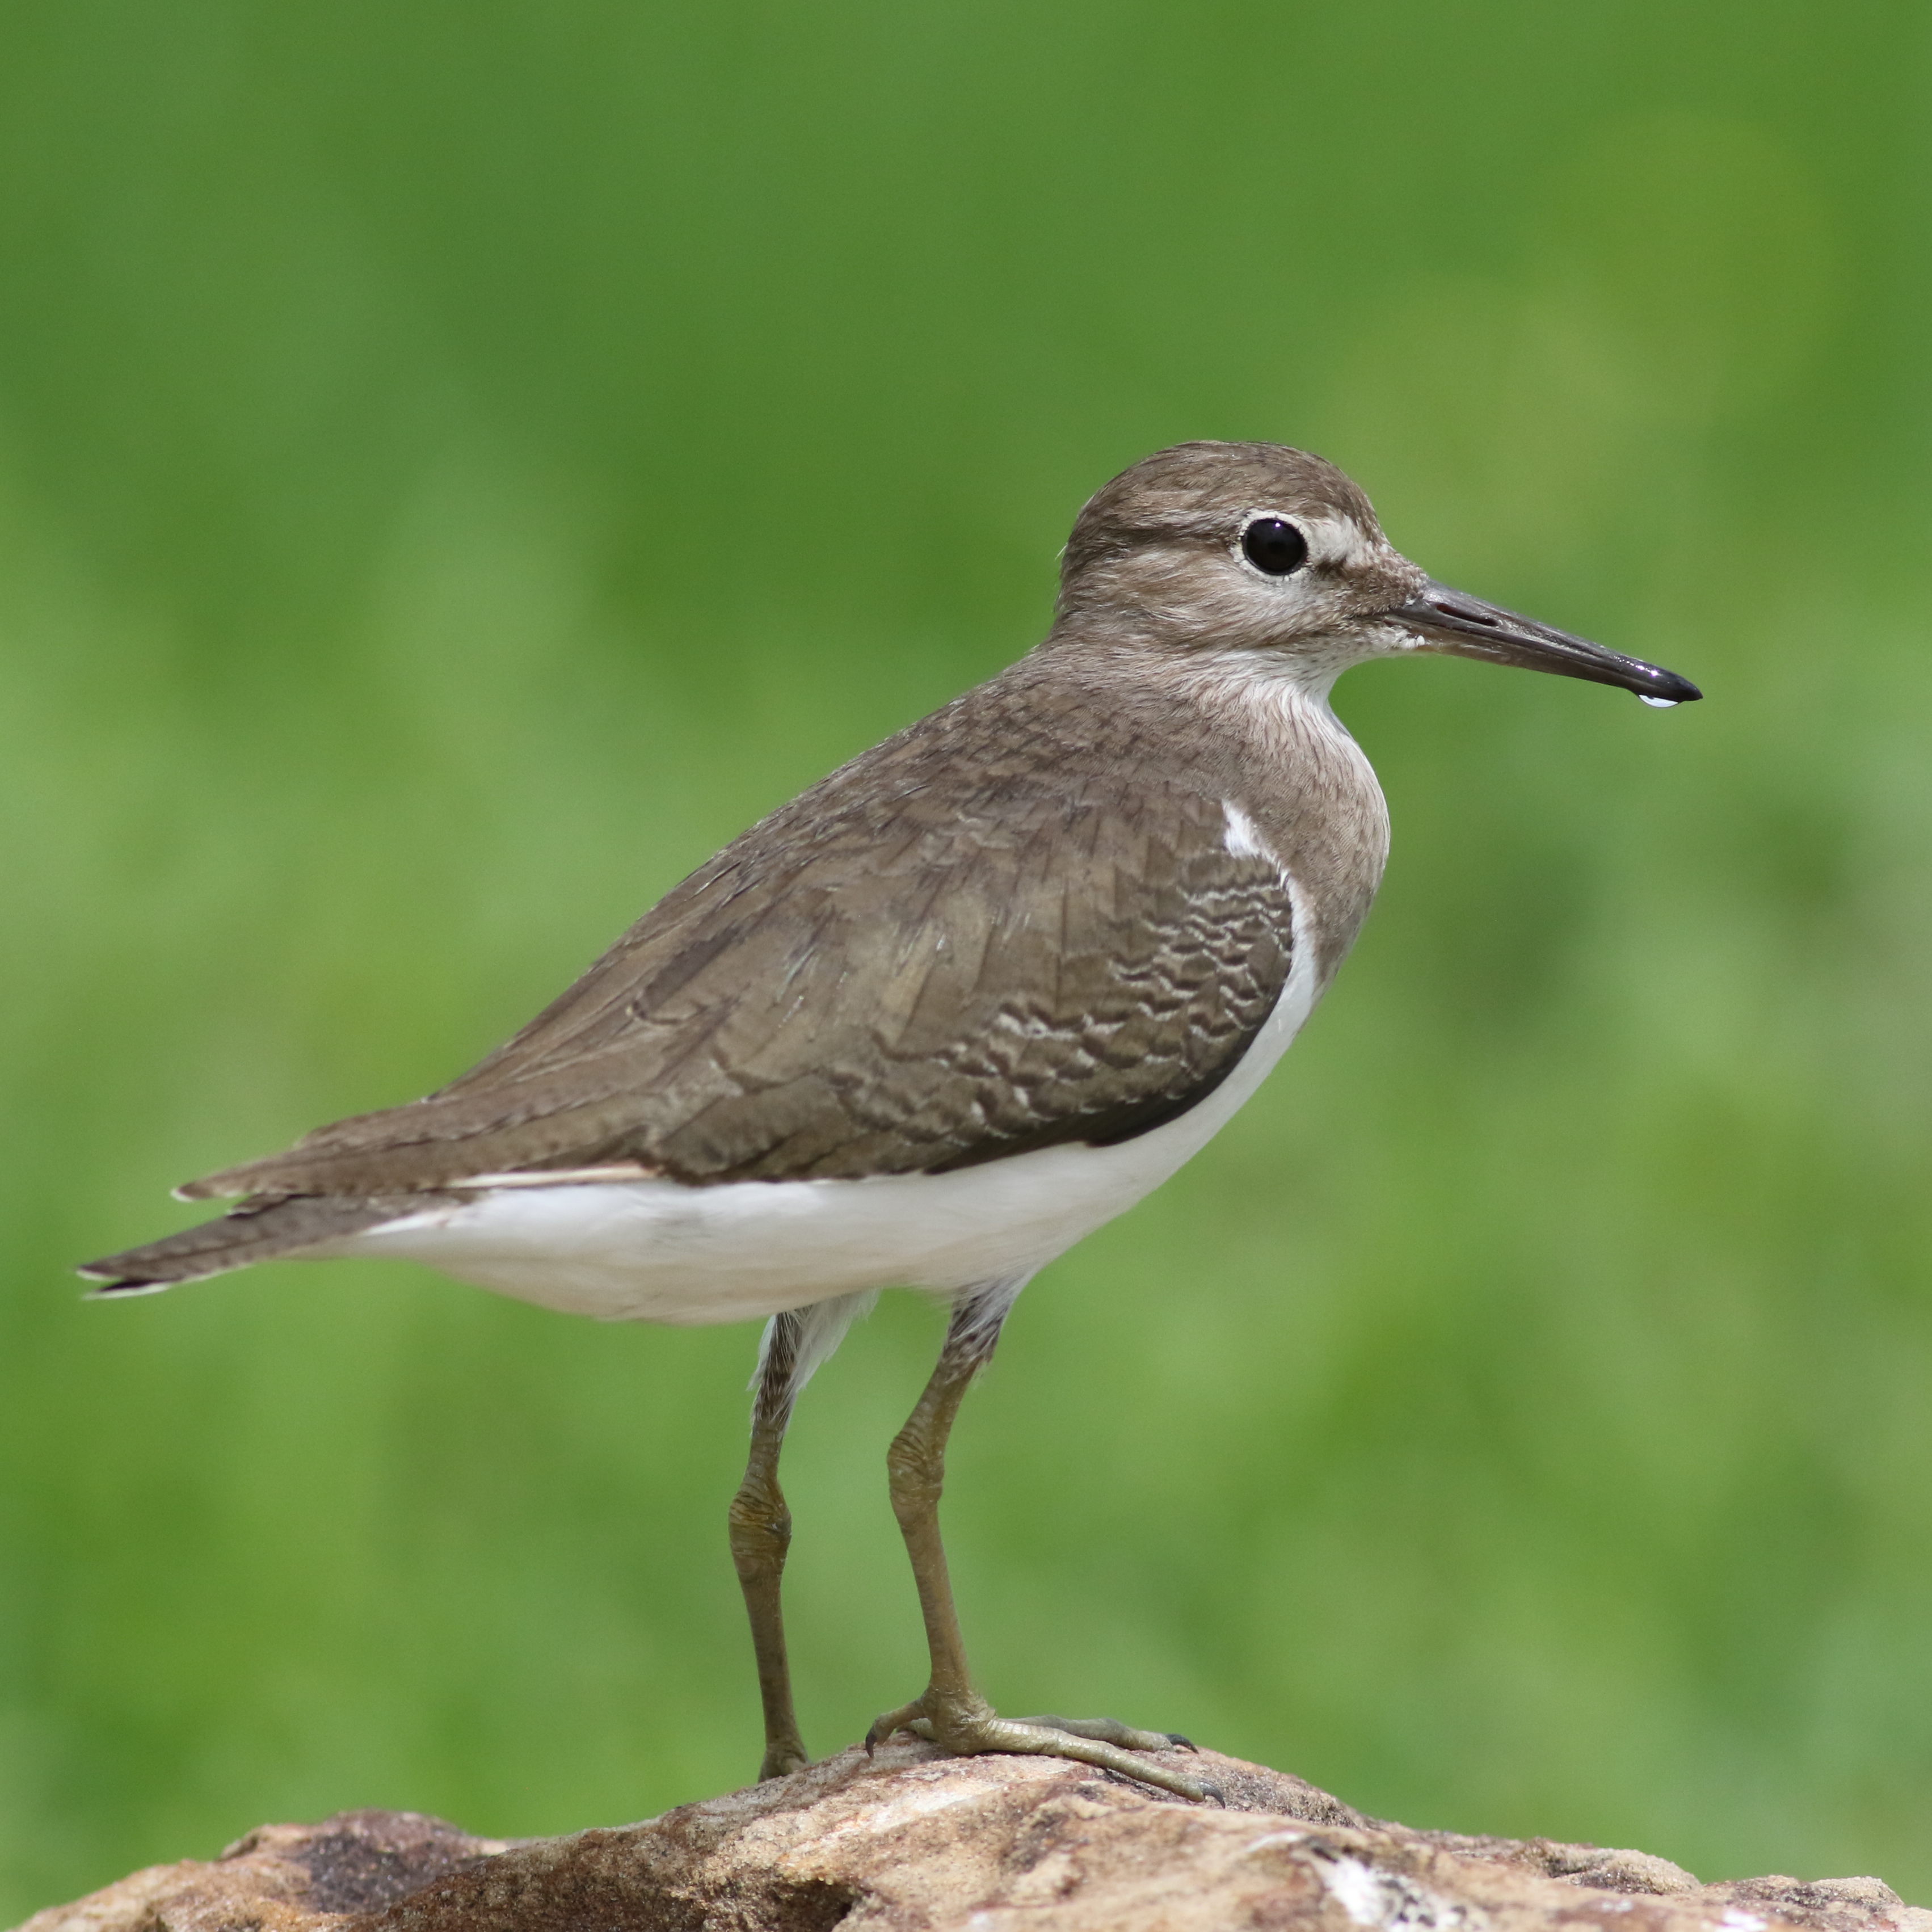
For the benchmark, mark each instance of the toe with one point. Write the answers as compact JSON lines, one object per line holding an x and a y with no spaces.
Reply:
{"x":1109,"y":1731}
{"x":903,"y":1718}
{"x":1032,"y":1739}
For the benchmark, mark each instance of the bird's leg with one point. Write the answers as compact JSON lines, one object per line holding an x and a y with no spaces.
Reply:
{"x":761,"y":1534}
{"x":952,"y":1712}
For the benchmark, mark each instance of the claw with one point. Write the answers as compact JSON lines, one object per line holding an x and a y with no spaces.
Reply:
{"x":907,"y":1717}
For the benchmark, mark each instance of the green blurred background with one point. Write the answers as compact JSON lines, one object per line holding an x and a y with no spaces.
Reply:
{"x":459,"y":463}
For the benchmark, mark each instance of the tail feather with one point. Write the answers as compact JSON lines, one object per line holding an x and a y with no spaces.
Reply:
{"x":255,"y":1230}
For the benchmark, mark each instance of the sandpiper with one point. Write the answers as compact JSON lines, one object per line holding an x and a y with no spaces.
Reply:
{"x":943,"y":1014}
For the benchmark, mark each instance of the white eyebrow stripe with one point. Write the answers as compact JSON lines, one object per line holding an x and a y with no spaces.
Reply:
{"x":1335,"y":540}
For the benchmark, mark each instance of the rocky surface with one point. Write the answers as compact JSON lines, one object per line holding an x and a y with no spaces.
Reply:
{"x":911,"y":1840}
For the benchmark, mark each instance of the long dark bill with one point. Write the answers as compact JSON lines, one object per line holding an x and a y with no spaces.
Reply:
{"x":1447,"y":620}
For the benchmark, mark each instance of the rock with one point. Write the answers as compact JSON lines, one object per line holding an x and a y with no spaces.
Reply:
{"x":912,"y":1840}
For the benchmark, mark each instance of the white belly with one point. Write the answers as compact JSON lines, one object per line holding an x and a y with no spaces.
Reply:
{"x":659,"y":1251}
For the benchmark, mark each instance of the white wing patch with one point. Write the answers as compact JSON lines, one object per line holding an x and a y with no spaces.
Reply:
{"x":1243,"y":841}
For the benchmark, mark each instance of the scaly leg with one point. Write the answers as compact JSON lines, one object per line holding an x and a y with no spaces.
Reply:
{"x":760,"y":1535}
{"x":952,"y":1712}
{"x":795,"y":1344}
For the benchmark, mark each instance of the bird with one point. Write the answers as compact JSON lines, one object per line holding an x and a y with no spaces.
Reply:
{"x":946,"y":1012}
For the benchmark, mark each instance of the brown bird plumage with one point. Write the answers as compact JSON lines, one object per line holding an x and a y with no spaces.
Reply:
{"x":1069,"y":918}
{"x":1003,"y":928}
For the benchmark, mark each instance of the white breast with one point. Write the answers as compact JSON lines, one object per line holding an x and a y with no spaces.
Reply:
{"x":658,"y":1251}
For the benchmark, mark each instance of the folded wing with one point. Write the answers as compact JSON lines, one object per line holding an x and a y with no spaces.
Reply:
{"x":903,"y":970}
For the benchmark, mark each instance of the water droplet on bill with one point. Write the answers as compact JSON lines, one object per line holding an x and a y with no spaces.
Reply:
{"x":1658,"y":704}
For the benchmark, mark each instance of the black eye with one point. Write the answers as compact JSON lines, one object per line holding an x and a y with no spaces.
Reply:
{"x":1273,"y":544}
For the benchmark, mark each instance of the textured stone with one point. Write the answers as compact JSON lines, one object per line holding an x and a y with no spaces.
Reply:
{"x":911,"y":1840}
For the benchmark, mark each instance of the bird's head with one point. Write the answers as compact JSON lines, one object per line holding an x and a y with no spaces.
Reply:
{"x":1252,"y":546}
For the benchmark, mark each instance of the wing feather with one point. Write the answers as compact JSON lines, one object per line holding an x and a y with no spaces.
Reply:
{"x":907,"y":969}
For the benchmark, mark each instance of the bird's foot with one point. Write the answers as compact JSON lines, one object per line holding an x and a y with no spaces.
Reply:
{"x":967,"y":1727}
{"x":785,"y":1749}
{"x":783,"y":1756}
